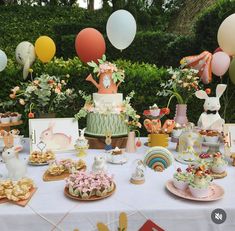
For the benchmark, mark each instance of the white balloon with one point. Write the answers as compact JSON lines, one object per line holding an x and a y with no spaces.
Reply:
{"x":3,"y":60}
{"x":121,"y":29}
{"x":25,"y":55}
{"x":226,"y":35}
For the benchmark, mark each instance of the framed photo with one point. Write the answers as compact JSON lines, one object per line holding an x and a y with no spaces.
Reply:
{"x":229,"y":133}
{"x":54,"y":134}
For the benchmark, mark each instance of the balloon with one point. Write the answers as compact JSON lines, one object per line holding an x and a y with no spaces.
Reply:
{"x":45,"y":48}
{"x":202,"y":63}
{"x":232,"y":71}
{"x":25,"y":55}
{"x":90,"y":45}
{"x":226,"y":35}
{"x":220,"y":63}
{"x":3,"y":60}
{"x":121,"y":29}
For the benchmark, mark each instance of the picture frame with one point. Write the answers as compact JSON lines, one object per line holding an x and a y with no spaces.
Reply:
{"x":229,"y":139}
{"x":55,"y":134}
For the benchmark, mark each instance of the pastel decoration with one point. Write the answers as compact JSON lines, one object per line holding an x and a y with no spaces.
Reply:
{"x":121,"y":29}
{"x":152,"y":126}
{"x":90,"y":45}
{"x":202,"y":63}
{"x":226,"y":35}
{"x":220,"y":63}
{"x":25,"y":56}
{"x":3,"y":60}
{"x":168,"y":126}
{"x":158,"y":158}
{"x":45,"y":48}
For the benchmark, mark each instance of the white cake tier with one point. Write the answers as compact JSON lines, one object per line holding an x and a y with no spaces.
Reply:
{"x":108,"y":100}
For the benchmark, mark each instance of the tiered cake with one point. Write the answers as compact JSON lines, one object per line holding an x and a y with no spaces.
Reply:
{"x":106,"y":111}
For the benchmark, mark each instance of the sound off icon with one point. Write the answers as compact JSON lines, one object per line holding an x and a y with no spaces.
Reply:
{"x":218,"y":216}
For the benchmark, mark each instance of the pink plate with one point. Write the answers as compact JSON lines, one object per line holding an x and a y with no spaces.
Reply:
{"x":216,"y":192}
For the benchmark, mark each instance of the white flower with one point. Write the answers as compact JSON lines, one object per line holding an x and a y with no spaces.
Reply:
{"x":180,"y":81}
{"x":173,"y":76}
{"x":189,"y":77}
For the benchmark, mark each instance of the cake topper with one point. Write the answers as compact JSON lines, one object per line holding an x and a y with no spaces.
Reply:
{"x":109,"y":75}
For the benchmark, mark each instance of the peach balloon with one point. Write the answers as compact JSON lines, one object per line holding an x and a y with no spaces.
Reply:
{"x":90,"y":45}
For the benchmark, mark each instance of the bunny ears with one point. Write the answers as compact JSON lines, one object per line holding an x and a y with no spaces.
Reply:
{"x":219,"y":92}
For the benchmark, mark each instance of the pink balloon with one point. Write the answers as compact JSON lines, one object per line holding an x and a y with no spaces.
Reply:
{"x":220,"y":63}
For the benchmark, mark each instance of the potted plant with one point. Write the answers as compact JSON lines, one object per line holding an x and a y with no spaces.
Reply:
{"x":45,"y":95}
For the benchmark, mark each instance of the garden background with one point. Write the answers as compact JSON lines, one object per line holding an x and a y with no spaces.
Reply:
{"x":165,"y":33}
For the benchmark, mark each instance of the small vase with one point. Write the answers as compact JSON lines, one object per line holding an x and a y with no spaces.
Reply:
{"x":181,"y":114}
{"x":130,"y":145}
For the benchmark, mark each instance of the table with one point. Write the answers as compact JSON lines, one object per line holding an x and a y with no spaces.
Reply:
{"x":49,"y":209}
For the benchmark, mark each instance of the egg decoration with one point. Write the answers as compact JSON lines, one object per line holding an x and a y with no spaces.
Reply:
{"x":158,"y":158}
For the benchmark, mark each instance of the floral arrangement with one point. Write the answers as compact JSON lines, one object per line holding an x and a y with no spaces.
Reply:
{"x":105,"y":66}
{"x":44,"y":94}
{"x":85,"y":185}
{"x":182,"y":85}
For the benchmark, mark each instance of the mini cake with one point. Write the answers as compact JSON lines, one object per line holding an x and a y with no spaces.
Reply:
{"x":38,"y":157}
{"x":218,"y":164}
{"x":5,"y":118}
{"x":85,"y":185}
{"x":181,"y":179}
{"x":116,"y":156}
{"x":199,"y":185}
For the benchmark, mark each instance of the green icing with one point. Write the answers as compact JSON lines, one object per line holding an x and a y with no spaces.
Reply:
{"x":99,"y":124}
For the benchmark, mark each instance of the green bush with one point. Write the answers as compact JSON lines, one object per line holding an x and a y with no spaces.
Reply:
{"x":207,"y":24}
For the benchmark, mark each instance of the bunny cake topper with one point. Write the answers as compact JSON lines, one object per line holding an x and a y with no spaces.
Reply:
{"x":210,"y":118}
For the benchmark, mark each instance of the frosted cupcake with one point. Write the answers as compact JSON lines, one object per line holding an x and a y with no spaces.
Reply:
{"x":181,"y":179}
{"x":199,"y":185}
{"x":218,"y":164}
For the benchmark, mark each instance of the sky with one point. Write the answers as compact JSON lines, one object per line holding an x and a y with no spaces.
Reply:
{"x":83,"y":3}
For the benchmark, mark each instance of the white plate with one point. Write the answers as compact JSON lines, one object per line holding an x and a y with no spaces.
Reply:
{"x":122,"y":161}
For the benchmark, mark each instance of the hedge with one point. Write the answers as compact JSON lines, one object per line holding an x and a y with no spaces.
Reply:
{"x":143,"y":78}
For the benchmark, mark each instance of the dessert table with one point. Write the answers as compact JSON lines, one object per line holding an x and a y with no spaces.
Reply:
{"x":49,"y":209}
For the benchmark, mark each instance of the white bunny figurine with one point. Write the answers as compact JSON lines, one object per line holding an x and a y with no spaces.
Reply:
{"x":82,"y":132}
{"x":210,"y":118}
{"x":16,"y":168}
{"x":99,"y":164}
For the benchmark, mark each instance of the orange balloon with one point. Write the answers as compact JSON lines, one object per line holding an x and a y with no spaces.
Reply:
{"x":90,"y":45}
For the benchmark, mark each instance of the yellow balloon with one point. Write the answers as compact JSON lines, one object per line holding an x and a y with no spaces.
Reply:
{"x":45,"y":48}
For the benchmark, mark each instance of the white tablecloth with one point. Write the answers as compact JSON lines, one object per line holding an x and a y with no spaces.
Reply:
{"x":49,"y":209}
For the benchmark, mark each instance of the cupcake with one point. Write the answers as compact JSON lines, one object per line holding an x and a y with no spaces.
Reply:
{"x":218,"y":164}
{"x":199,"y":185}
{"x":14,"y":117}
{"x":181,"y":179}
{"x":5,"y":118}
{"x":212,"y":137}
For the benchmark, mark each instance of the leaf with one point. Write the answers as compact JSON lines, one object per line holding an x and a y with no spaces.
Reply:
{"x":104,"y":57}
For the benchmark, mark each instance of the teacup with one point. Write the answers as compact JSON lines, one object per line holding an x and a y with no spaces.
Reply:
{"x":18,"y":141}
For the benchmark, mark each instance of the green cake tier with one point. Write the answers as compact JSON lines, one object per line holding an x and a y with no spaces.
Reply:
{"x":100,"y":124}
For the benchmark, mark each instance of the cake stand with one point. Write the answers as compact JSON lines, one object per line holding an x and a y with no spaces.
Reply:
{"x":212,"y":147}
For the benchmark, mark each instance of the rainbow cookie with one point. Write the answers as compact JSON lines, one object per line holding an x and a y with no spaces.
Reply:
{"x":158,"y":158}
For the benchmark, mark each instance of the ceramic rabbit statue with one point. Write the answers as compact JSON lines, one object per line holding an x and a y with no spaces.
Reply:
{"x":16,"y":168}
{"x":210,"y":118}
{"x":99,"y":164}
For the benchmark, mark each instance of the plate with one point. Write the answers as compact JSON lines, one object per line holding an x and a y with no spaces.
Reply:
{"x":184,"y":161}
{"x":38,"y":164}
{"x":112,"y":161}
{"x":93,"y":198}
{"x":216,"y":192}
